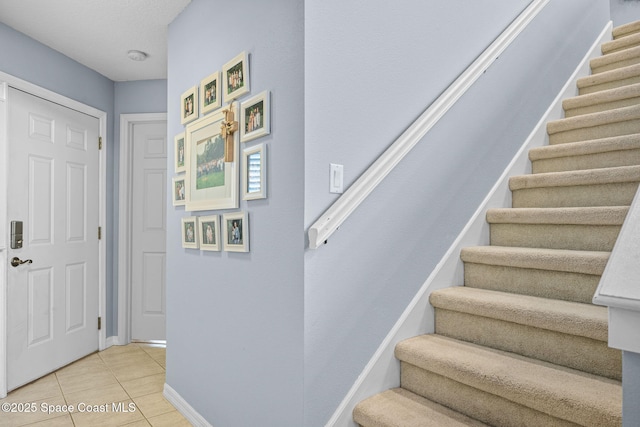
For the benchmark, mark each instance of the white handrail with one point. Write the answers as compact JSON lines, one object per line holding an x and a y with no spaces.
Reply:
{"x":333,"y":217}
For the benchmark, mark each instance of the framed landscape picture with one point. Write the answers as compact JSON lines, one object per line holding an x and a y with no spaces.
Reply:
{"x":189,"y":105}
{"x":178,"y":143}
{"x":190,"y":232}
{"x":210,"y":93}
{"x":209,"y":231}
{"x":210,"y":182}
{"x":235,"y":77}
{"x":254,"y":117}
{"x":235,"y":232}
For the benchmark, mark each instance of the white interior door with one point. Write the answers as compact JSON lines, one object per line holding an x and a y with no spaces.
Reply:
{"x":53,"y":177}
{"x":148,"y":225}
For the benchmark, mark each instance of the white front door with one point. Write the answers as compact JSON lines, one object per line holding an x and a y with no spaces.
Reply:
{"x":53,"y":177}
{"x":149,"y":201}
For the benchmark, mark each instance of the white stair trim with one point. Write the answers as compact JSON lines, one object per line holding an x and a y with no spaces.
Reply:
{"x":383,"y":370}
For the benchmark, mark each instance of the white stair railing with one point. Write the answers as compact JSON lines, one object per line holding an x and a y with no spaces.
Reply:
{"x":342,"y":208}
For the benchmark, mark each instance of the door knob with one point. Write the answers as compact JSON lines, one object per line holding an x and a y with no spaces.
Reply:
{"x":15,"y":261}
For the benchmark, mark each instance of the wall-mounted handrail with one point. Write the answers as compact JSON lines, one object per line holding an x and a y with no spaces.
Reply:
{"x":340,"y":210}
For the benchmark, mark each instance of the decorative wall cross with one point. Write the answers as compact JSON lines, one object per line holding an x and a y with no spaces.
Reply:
{"x":228,"y":127}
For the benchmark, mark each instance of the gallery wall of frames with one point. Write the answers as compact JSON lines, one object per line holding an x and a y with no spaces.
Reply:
{"x":219,"y":158}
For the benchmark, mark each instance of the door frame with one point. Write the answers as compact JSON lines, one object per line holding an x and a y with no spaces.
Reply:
{"x":127,"y":121}
{"x":6,"y":81}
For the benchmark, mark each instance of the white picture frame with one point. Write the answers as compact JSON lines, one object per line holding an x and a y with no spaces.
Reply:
{"x":190,"y":232}
{"x":189,"y":105}
{"x":255,"y":117}
{"x":179,"y":150}
{"x":210,"y":99}
{"x":254,"y":175}
{"x":209,"y":232}
{"x":178,"y":190}
{"x":211,"y":185}
{"x":235,"y":77}
{"x":235,"y":232}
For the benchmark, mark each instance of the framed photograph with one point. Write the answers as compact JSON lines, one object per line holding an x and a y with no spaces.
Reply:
{"x":178,"y":191}
{"x":209,"y":232}
{"x":254,"y":117}
{"x":235,"y":77}
{"x":210,"y":181}
{"x":210,"y":93}
{"x":254,"y":177}
{"x":190,"y":232}
{"x":178,"y":143}
{"x":235,"y":232}
{"x":189,"y":105}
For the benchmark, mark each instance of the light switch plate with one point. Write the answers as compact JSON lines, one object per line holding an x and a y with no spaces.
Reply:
{"x":336,"y":179}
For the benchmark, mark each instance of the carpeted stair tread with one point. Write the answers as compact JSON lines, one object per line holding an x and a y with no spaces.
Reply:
{"x":612,"y":175}
{"x":602,"y":101}
{"x":541,"y":331}
{"x":570,"y":261}
{"x":626,"y":30}
{"x":591,"y":154}
{"x":599,"y":118}
{"x":561,"y":392}
{"x":585,"y":320}
{"x":622,"y":58}
{"x":581,"y":148}
{"x":609,"y":79}
{"x":622,"y":43}
{"x":401,"y":408}
{"x":601,"y":124}
{"x":597,"y":215}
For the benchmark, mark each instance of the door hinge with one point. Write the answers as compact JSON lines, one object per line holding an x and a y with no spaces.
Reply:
{"x":99,"y":143}
{"x":99,"y":233}
{"x":99,"y":323}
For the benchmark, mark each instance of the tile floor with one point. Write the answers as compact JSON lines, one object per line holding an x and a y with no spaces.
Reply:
{"x":127,"y":381}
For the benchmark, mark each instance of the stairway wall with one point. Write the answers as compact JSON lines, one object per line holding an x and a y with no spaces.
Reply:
{"x":356,"y":286}
{"x":624,"y":11}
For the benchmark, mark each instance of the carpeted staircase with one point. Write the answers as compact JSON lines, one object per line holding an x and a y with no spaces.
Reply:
{"x":520,"y":344}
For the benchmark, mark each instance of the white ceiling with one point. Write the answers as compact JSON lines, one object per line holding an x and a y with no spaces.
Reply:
{"x":99,"y":33}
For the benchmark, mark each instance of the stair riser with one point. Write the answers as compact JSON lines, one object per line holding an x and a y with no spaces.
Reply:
{"x":588,"y":161}
{"x":615,"y":65}
{"x":630,"y":32}
{"x":554,"y":236}
{"x":486,"y":407}
{"x":603,"y":106}
{"x":595,"y":132}
{"x":572,"y":351}
{"x":565,"y":286}
{"x":615,"y":194}
{"x":584,"y":90}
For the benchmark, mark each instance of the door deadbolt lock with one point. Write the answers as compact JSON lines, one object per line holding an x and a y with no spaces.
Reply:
{"x":15,"y":261}
{"x":16,"y":234}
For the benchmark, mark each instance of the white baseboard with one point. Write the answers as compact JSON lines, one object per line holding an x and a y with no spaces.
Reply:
{"x":184,"y":408}
{"x":383,"y":370}
{"x":111,"y":341}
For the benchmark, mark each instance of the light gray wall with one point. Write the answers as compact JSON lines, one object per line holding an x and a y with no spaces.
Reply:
{"x":29,"y":60}
{"x":370,"y":71}
{"x":624,"y":11}
{"x":235,"y":320}
{"x":631,"y":389}
{"x":141,"y":96}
